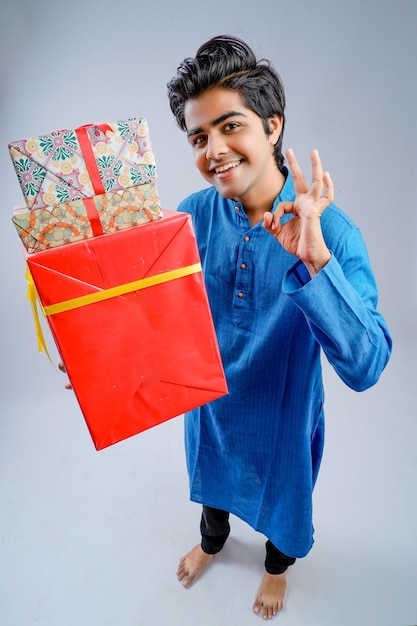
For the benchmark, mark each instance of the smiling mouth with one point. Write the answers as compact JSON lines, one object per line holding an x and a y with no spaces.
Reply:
{"x":226,"y":166}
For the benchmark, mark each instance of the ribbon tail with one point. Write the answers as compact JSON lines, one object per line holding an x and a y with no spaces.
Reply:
{"x":34,"y":299}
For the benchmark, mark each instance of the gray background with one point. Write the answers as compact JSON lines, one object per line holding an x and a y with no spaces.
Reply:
{"x":94,"y":538}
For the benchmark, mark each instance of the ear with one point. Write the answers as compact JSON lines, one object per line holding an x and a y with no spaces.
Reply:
{"x":275,"y":125}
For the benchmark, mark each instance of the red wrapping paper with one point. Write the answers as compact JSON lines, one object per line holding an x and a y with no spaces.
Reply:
{"x":138,"y":359}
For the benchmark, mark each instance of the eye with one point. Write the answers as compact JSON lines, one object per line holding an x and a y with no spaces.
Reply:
{"x":198,"y":139}
{"x":231,"y":126}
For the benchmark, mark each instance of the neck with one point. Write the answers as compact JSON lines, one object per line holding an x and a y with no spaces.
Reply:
{"x":258,"y":205}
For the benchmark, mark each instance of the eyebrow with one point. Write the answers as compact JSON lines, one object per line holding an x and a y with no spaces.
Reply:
{"x":216,"y":122}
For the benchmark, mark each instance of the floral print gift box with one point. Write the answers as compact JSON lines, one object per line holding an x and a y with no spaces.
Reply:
{"x":94,"y":159}
{"x":65,"y":223}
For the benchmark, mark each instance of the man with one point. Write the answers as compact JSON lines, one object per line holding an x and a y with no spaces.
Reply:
{"x":287,"y":274}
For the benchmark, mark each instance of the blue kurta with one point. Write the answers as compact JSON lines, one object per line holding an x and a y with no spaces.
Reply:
{"x":256,"y":452}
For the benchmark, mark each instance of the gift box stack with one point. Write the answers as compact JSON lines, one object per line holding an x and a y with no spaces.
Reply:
{"x":119,"y":282}
{"x":80,"y":183}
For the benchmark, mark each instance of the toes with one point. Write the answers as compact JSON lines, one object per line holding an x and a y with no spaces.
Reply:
{"x":184,"y":580}
{"x":267,"y":611}
{"x":183,"y":575}
{"x":267,"y":614}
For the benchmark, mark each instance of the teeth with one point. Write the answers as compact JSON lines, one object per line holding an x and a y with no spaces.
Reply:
{"x":223,"y":168}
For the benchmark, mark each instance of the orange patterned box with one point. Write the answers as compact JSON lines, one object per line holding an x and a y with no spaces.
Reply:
{"x":40,"y":229}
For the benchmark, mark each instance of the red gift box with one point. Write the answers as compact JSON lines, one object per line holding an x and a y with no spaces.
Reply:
{"x":130,"y":316}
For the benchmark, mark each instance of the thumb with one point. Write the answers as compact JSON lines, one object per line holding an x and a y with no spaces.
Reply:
{"x":268,"y":220}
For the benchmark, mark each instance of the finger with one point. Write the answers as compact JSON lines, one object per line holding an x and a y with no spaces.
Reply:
{"x":300,"y":185}
{"x":328,"y":193}
{"x":61,"y":366}
{"x":268,"y":220}
{"x":286,"y":207}
{"x":328,"y":187}
{"x":272,"y":221}
{"x":316,"y":186}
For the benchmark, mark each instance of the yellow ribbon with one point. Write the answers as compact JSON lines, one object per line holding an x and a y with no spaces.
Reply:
{"x":34,"y":300}
{"x":121,"y":290}
{"x":98,"y":296}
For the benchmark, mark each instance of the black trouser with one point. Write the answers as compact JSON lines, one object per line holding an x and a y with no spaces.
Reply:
{"x":215,"y":529}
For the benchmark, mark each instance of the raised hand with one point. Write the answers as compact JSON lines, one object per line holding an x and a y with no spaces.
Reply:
{"x":302,"y":235}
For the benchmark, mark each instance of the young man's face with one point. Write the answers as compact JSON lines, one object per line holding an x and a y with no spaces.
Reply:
{"x":230,"y":146}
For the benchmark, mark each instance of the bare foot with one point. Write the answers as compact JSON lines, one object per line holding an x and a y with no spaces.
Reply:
{"x":192,"y":565}
{"x":270,"y":597}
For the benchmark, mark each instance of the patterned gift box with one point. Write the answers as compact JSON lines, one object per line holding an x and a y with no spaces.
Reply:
{"x":94,"y":159}
{"x":40,"y":229}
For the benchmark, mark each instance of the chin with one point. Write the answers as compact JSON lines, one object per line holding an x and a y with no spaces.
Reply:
{"x":226,"y":195}
{"x":229,"y":194}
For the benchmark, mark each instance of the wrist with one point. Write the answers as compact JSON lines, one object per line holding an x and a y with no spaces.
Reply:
{"x":314,"y":267}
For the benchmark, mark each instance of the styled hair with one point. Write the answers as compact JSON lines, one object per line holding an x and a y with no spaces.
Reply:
{"x":228,"y":62}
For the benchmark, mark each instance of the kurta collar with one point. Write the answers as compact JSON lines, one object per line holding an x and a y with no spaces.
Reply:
{"x":287,"y":193}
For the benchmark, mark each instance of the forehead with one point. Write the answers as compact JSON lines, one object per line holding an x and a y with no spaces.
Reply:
{"x":212,"y":105}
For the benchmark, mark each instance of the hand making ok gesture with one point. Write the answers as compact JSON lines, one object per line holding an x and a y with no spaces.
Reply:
{"x":302,"y":235}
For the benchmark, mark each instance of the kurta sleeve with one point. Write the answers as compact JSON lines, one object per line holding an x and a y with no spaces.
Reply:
{"x":340,"y":306}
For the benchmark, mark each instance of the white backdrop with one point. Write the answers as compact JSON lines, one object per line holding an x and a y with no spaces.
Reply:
{"x":350,"y":74}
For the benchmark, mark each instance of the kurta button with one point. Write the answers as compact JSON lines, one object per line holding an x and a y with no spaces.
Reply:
{"x":243,"y":266}
{"x":246,"y":238}
{"x":240,"y":294}
{"x":237,"y":208}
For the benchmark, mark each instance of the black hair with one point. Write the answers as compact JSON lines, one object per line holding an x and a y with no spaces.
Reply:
{"x":228,"y":62}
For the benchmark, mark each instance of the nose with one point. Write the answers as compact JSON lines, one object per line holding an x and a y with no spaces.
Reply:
{"x":216,"y":146}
